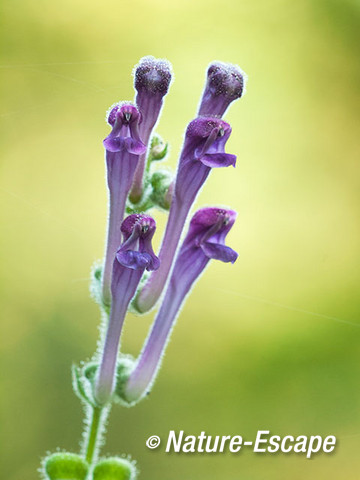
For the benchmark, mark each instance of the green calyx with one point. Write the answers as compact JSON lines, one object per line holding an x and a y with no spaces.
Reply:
{"x":96,"y":287}
{"x":114,"y":468}
{"x":84,"y":377}
{"x":162,"y":183}
{"x":158,"y":149}
{"x":124,"y":367}
{"x":65,"y":466}
{"x":82,"y":380}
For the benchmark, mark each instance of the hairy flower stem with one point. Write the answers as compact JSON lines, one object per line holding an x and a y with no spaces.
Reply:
{"x":93,"y":436}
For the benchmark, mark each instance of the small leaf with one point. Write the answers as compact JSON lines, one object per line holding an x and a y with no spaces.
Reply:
{"x":114,"y":468}
{"x":65,"y":466}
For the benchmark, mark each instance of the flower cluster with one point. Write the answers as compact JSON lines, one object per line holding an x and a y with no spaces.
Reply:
{"x":132,"y":275}
{"x":203,"y":242}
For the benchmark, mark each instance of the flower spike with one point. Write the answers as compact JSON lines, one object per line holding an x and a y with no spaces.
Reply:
{"x":135,"y":185}
{"x":152,"y":78}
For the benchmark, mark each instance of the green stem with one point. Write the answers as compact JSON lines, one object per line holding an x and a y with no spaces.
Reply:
{"x":94,"y":434}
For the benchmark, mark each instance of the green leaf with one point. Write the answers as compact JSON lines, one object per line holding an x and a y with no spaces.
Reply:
{"x":114,"y":468}
{"x":65,"y":466}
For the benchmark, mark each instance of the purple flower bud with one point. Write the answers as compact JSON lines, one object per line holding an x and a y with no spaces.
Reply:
{"x":204,"y":148}
{"x":132,"y":258}
{"x":205,"y":241}
{"x":152,"y":78}
{"x":225,"y":83}
{"x":123,"y":147}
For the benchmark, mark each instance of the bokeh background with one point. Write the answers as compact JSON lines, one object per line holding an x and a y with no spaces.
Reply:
{"x":272,"y":342}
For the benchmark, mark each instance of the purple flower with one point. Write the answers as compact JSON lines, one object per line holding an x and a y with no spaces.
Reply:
{"x":136,"y":252}
{"x":152,"y":80}
{"x":123,"y":147}
{"x":205,"y":241}
{"x":224,"y":84}
{"x":133,"y":257}
{"x":124,"y":119}
{"x":204,"y":148}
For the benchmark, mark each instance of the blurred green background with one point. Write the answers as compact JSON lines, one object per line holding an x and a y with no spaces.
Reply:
{"x":272,"y":342}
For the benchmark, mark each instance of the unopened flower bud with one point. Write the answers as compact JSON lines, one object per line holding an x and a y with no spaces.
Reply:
{"x":152,"y":78}
{"x":224,"y":84}
{"x":158,"y":148}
